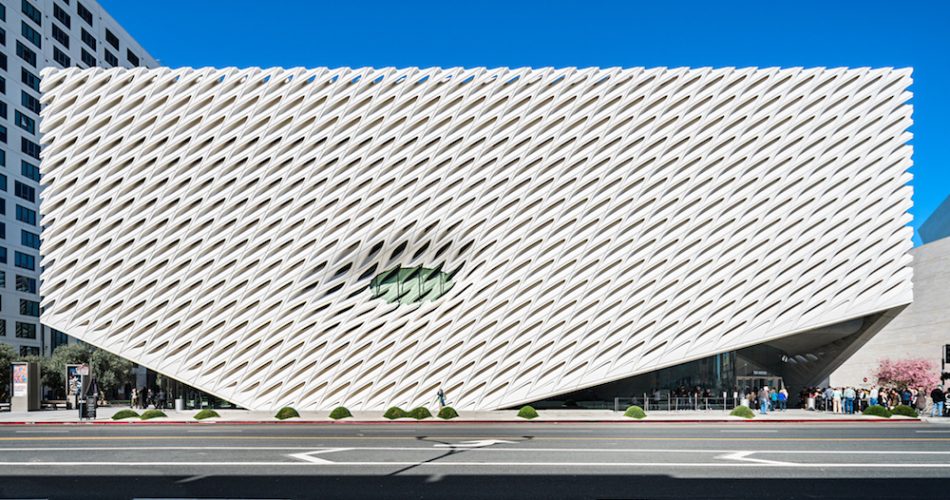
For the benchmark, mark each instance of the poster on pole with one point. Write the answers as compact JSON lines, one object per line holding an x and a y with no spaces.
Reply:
{"x":72,"y":380}
{"x":21,"y":379}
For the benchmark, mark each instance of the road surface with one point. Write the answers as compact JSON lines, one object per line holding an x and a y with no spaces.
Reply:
{"x":518,"y":460}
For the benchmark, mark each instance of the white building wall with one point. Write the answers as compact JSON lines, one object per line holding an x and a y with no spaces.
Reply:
{"x":16,"y":324}
{"x":223,"y":226}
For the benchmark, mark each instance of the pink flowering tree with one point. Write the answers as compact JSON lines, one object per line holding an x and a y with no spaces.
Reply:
{"x":907,"y":373}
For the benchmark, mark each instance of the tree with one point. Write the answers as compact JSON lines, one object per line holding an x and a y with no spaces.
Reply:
{"x":906,"y":373}
{"x":111,"y":371}
{"x":7,"y":355}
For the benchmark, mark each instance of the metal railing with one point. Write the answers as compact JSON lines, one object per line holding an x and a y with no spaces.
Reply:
{"x":678,"y":403}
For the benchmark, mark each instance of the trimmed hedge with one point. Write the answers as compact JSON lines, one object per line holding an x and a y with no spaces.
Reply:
{"x":877,"y":411}
{"x":742,"y":411}
{"x":448,"y":413}
{"x":150,"y":414}
{"x":124,"y":414}
{"x":206,"y":413}
{"x":904,"y":410}
{"x":340,"y":412}
{"x":394,"y":413}
{"x":420,"y":413}
{"x":285,"y":413}
{"x":635,"y":412}
{"x":527,"y":412}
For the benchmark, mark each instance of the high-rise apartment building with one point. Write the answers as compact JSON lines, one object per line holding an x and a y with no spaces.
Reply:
{"x":35,"y":34}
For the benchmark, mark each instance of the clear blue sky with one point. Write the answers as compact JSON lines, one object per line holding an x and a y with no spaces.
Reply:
{"x":583,"y":33}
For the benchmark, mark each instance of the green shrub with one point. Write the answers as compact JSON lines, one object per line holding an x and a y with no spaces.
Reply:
{"x":742,"y":411}
{"x":340,"y":412}
{"x":635,"y":412}
{"x":904,"y":410}
{"x":123,"y":414}
{"x":206,"y":413}
{"x":527,"y":412}
{"x":150,"y":414}
{"x":448,"y":413}
{"x":394,"y":413}
{"x":420,"y":413}
{"x":877,"y":411}
{"x":285,"y":413}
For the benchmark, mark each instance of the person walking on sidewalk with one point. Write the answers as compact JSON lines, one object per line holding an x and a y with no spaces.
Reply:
{"x":441,"y":397}
{"x":836,"y":398}
{"x":872,"y":397}
{"x":782,"y":399}
{"x":938,"y":398}
{"x":764,"y":400}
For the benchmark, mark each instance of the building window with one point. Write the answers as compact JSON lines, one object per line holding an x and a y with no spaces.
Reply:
{"x":24,"y":122}
{"x":26,"y":54}
{"x":3,"y":62}
{"x":112,"y":39}
{"x":31,"y":103}
{"x":60,"y":57}
{"x":26,"y":215}
{"x":30,"y":171}
{"x":29,"y":239}
{"x":31,"y":35}
{"x":25,"y":284}
{"x":25,"y":330}
{"x":3,"y":279}
{"x":87,"y":58}
{"x":61,"y":16}
{"x":3,"y":328}
{"x":134,"y":59}
{"x":3,"y":206}
{"x":24,"y":261}
{"x":87,"y":38}
{"x":29,"y":350}
{"x":32,"y":12}
{"x":60,"y":36}
{"x":3,"y":182}
{"x":30,"y":148}
{"x":3,"y":230}
{"x":84,"y":13}
{"x":3,"y":37}
{"x":30,"y":79}
{"x":3,"y":84}
{"x":23,"y":191}
{"x":3,"y":134}
{"x":30,"y":308}
{"x":3,"y":13}
{"x":3,"y":110}
{"x":3,"y":255}
{"x":111,"y":59}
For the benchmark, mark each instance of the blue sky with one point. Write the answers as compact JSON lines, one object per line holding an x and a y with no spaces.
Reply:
{"x":582,"y":33}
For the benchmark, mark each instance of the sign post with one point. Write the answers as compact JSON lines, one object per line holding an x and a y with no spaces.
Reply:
{"x":26,"y":386}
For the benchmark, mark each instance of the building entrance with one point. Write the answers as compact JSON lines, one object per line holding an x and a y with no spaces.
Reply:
{"x":750,"y":382}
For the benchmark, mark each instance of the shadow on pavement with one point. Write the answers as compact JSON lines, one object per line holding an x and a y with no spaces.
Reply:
{"x":460,"y":487}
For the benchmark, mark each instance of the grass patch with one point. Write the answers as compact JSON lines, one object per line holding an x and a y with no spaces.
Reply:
{"x":448,"y":413}
{"x":285,"y":413}
{"x":124,"y":414}
{"x":420,"y":413}
{"x":877,"y":411}
{"x":206,"y":413}
{"x":394,"y":413}
{"x":742,"y":411}
{"x":150,"y":414}
{"x":527,"y":412}
{"x":340,"y":412}
{"x":635,"y":412}
{"x":904,"y":410}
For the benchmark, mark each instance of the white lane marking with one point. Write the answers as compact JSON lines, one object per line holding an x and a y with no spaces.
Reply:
{"x":743,"y":456}
{"x":932,"y":432}
{"x":192,"y":479}
{"x":309,"y":455}
{"x":484,"y":464}
{"x":504,"y":449}
{"x":42,"y":432}
{"x":473,"y":444}
{"x":210,"y":431}
{"x":748,"y":430}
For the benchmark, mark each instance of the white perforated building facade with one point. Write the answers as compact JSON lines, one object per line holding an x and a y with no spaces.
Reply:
{"x":364,"y":237}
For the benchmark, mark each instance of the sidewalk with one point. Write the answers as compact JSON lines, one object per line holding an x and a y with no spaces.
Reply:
{"x":104,"y":415}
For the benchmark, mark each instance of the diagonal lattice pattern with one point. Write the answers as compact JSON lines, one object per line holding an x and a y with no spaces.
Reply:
{"x":224,"y":226}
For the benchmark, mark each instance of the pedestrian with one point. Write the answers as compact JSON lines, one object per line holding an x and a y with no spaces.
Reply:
{"x":783,"y":399}
{"x":134,"y":398}
{"x":441,"y":397}
{"x":849,"y":396}
{"x":836,"y":399}
{"x":764,"y":400}
{"x":161,"y":399}
{"x":873,"y":396}
{"x":905,"y":397}
{"x":921,"y":401}
{"x":938,"y":398}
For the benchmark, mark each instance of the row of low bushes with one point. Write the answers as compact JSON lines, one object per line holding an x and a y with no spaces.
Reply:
{"x":340,"y":412}
{"x":884,"y":412}
{"x":150,"y":414}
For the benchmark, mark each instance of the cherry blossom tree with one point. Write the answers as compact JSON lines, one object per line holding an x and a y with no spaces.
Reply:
{"x":905,"y":373}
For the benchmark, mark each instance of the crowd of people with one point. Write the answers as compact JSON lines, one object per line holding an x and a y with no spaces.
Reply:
{"x":852,"y":400}
{"x":146,"y":397}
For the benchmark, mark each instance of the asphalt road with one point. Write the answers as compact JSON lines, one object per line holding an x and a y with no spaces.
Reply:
{"x":521,"y":460}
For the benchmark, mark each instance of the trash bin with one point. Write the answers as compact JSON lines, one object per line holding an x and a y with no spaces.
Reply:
{"x":179,"y":404}
{"x":82,"y":408}
{"x":91,"y":408}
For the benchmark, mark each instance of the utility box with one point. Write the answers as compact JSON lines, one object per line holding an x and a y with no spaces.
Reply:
{"x":26,"y":386}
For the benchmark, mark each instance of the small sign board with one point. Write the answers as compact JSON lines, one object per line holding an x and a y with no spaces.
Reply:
{"x":83,"y":370}
{"x":21,"y":380}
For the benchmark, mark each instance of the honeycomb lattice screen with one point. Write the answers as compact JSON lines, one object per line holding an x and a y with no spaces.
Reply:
{"x":364,"y":237}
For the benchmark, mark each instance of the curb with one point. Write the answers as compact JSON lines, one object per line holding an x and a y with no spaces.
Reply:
{"x":463,"y":422}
